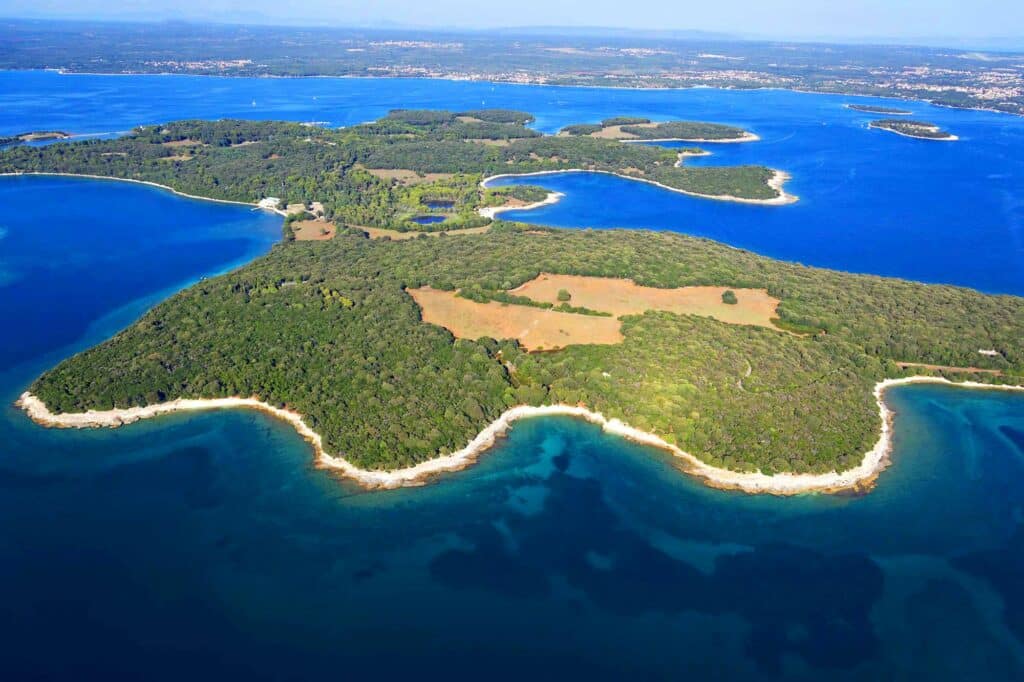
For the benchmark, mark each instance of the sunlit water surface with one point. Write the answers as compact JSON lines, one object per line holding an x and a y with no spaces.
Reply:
{"x":207,"y":545}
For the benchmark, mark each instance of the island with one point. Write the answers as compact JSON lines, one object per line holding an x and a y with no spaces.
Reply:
{"x":413,"y":170}
{"x":635,"y":129}
{"x":921,"y":130}
{"x":34,"y":136}
{"x":400,"y":358}
{"x":876,"y":109}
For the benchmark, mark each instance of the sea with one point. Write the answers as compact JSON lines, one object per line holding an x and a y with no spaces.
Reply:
{"x":207,"y":546}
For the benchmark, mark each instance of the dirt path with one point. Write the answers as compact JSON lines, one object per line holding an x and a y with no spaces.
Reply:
{"x":950,"y":368}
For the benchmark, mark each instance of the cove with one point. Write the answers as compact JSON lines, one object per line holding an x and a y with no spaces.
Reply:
{"x":207,"y":546}
{"x":73,"y":249}
{"x":563,"y":547}
{"x":869,"y":201}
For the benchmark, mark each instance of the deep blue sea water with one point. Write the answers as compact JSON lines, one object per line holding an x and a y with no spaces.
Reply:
{"x":207,"y":546}
{"x":870,"y":201}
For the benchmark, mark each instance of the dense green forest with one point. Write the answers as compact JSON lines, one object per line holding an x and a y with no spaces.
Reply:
{"x":251,"y":160}
{"x":644,"y":129}
{"x":328,"y":329}
{"x":624,"y":121}
{"x":685,"y":130}
{"x":581,"y":129}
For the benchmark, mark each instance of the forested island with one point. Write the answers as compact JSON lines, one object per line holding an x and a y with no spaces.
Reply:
{"x":876,"y":109}
{"x":34,"y":136}
{"x":922,"y":130}
{"x":384,"y":174}
{"x":642,"y":129}
{"x":396,"y":351}
{"x":331,"y":329}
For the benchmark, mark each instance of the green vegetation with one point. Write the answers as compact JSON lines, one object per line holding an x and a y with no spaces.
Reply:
{"x":500,"y":115}
{"x":564,"y":295}
{"x":729,"y":297}
{"x":498,"y":196}
{"x":327,"y":328}
{"x":250,"y":160}
{"x":623,"y":121}
{"x":476,"y":292}
{"x":911,"y":128}
{"x":582,"y":129}
{"x":685,"y":130}
{"x":33,"y":136}
{"x":872,"y":109}
{"x":421,"y":117}
{"x":643,"y":129}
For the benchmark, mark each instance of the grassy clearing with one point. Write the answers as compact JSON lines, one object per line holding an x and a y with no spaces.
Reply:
{"x":313,"y":230}
{"x":625,"y":297}
{"x":535,"y":328}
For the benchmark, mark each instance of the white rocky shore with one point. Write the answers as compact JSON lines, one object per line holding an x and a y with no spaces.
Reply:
{"x":776,"y":182}
{"x":860,"y":477}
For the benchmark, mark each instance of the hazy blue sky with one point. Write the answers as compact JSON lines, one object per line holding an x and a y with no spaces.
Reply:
{"x":782,"y":18}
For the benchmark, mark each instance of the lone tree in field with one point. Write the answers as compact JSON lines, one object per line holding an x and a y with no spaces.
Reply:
{"x":564,"y":295}
{"x":729,"y":296}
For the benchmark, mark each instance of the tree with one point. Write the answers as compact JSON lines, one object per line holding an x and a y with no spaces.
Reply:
{"x":729,"y":297}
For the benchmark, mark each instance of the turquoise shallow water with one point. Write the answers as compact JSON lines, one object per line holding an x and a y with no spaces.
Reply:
{"x":207,"y":545}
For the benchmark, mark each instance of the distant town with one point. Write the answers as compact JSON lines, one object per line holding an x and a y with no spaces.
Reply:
{"x":948,"y":77}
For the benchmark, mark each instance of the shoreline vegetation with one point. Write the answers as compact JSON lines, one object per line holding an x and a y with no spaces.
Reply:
{"x":747,"y":137}
{"x":34,"y":136}
{"x":391,"y":173}
{"x":877,"y":109}
{"x":493,"y":212}
{"x":331,"y":329}
{"x":776,"y":181}
{"x":639,"y":129}
{"x":918,"y":130}
{"x":860,"y":478}
{"x":254,"y":205}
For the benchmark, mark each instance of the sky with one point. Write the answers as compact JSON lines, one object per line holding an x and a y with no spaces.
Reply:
{"x":797,"y":19}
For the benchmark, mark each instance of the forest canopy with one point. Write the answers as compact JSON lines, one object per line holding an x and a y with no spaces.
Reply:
{"x":376,"y":174}
{"x":328,"y":329}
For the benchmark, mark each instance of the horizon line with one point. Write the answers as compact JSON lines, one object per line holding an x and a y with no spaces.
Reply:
{"x":1016,"y":44}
